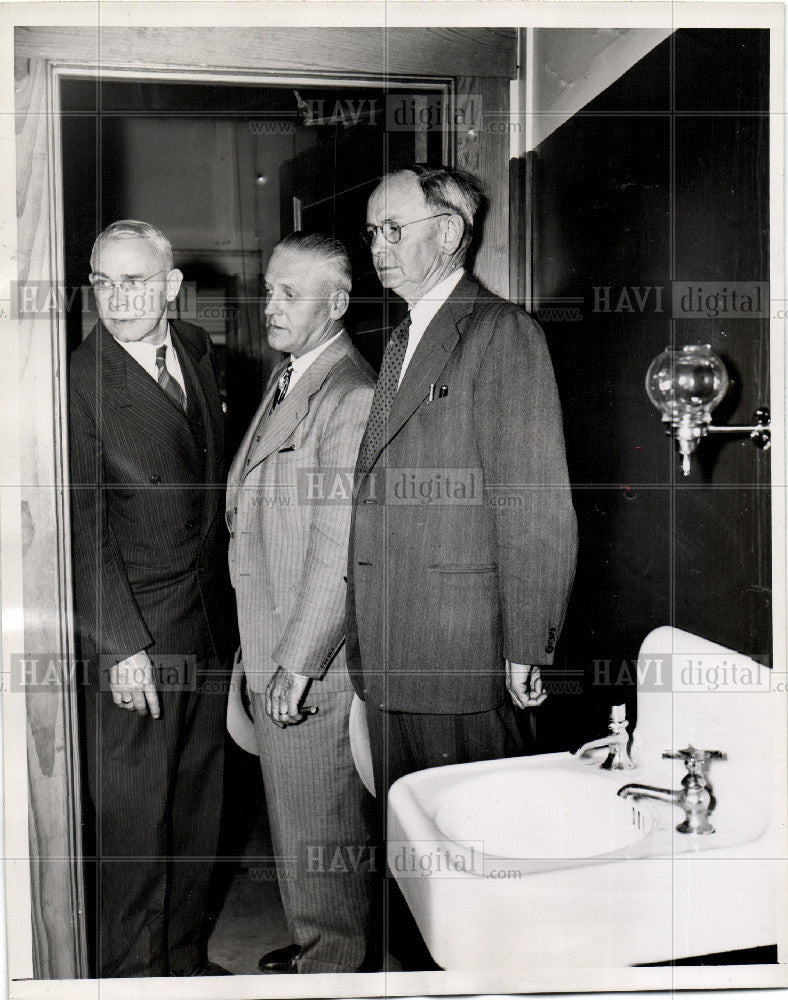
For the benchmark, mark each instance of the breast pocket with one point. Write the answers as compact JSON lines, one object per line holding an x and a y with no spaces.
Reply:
{"x":444,"y":419}
{"x":295,"y":472}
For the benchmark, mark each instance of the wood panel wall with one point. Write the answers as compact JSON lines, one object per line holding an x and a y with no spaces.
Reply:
{"x":355,"y":51}
{"x":663,"y":177}
{"x":53,"y":775}
{"x":483,"y":149}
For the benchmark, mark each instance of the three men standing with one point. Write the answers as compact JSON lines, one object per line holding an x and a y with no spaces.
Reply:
{"x":288,"y":558}
{"x":153,"y":604}
{"x":451,"y":604}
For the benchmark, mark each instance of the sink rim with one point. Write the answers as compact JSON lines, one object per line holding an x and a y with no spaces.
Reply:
{"x":643,"y":809}
{"x":418,"y":791}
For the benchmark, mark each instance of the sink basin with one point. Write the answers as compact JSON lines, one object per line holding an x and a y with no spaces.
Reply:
{"x":536,"y":863}
{"x":533,"y":814}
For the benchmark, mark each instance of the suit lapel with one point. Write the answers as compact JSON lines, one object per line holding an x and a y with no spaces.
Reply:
{"x":431,"y":356}
{"x":203,"y":400}
{"x":126,"y":384}
{"x":272,"y":430}
{"x":236,"y":473}
{"x":203,"y":397}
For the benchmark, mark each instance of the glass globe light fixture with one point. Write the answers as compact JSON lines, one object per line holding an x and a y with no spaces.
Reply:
{"x":685,"y":384}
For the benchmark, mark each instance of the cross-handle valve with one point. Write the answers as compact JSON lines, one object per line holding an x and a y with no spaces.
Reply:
{"x":695,"y":796}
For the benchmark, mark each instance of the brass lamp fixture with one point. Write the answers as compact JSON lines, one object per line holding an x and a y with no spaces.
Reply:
{"x":685,"y":384}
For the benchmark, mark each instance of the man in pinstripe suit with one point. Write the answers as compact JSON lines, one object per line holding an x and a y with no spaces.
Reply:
{"x":288,"y":511}
{"x":153,"y":605}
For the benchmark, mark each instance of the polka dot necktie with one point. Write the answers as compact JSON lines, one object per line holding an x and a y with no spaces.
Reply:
{"x":385,"y":390}
{"x":168,"y":382}
{"x":282,"y":384}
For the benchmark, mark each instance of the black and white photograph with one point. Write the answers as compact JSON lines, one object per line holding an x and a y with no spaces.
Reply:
{"x":393,"y":499}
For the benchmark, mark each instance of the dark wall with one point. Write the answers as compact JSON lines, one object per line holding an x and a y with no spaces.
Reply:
{"x":662,"y":178}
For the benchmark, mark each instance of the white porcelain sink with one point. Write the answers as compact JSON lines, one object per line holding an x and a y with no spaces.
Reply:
{"x":532,"y":813}
{"x":536,"y":862}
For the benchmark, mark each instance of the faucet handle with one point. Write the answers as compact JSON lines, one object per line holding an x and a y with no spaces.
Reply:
{"x":696,"y":760}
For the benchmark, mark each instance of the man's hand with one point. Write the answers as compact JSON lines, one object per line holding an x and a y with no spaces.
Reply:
{"x":133,"y":685}
{"x":283,"y":696}
{"x":524,"y":684}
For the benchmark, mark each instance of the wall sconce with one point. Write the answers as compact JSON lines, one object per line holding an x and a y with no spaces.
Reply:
{"x":685,"y":384}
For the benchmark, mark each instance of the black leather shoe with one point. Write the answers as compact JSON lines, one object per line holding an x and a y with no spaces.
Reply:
{"x":204,"y":969}
{"x":280,"y":960}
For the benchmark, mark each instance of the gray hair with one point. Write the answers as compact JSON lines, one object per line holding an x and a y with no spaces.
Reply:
{"x":327,"y":248}
{"x":449,"y":190}
{"x":125,"y":228}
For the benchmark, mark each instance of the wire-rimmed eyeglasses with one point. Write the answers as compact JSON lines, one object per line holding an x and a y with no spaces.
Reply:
{"x":102,"y":285}
{"x":392,"y":231}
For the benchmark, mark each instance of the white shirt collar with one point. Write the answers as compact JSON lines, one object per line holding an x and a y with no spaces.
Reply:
{"x":142,"y":350}
{"x":144,"y":353}
{"x":422,"y":313}
{"x":301,"y":364}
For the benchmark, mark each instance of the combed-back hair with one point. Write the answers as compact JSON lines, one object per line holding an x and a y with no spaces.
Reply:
{"x":449,"y":190}
{"x":327,"y":248}
{"x":126,"y":228}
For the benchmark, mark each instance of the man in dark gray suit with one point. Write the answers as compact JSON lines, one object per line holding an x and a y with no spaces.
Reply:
{"x":154,"y":609}
{"x":464,"y":538}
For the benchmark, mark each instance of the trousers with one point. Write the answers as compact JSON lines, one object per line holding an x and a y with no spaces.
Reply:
{"x":156,"y":787}
{"x":321,"y":827}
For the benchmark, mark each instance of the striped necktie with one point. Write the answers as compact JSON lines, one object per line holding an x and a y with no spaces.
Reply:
{"x":375,"y":435}
{"x":168,"y":382}
{"x":282,"y":385}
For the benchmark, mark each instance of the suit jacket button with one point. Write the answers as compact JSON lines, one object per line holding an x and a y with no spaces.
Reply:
{"x":548,"y":649}
{"x":232,"y":534}
{"x":189,"y":525}
{"x":155,"y":479}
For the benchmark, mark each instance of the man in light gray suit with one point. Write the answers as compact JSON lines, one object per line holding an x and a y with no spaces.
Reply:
{"x":288,"y":511}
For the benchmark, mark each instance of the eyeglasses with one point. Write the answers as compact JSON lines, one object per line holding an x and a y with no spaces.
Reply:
{"x":392,"y":231}
{"x":103,"y":285}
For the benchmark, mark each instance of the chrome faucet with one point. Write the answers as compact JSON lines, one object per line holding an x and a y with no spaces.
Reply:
{"x":617,"y":743}
{"x":695,"y":796}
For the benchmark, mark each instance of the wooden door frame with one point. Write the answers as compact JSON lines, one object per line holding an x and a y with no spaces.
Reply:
{"x":48,"y":939}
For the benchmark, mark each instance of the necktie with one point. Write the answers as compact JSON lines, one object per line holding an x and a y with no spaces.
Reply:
{"x":169,"y":384}
{"x":281,"y":386}
{"x":385,"y":390}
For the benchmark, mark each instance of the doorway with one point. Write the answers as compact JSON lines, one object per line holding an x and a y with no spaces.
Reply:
{"x":226,"y":171}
